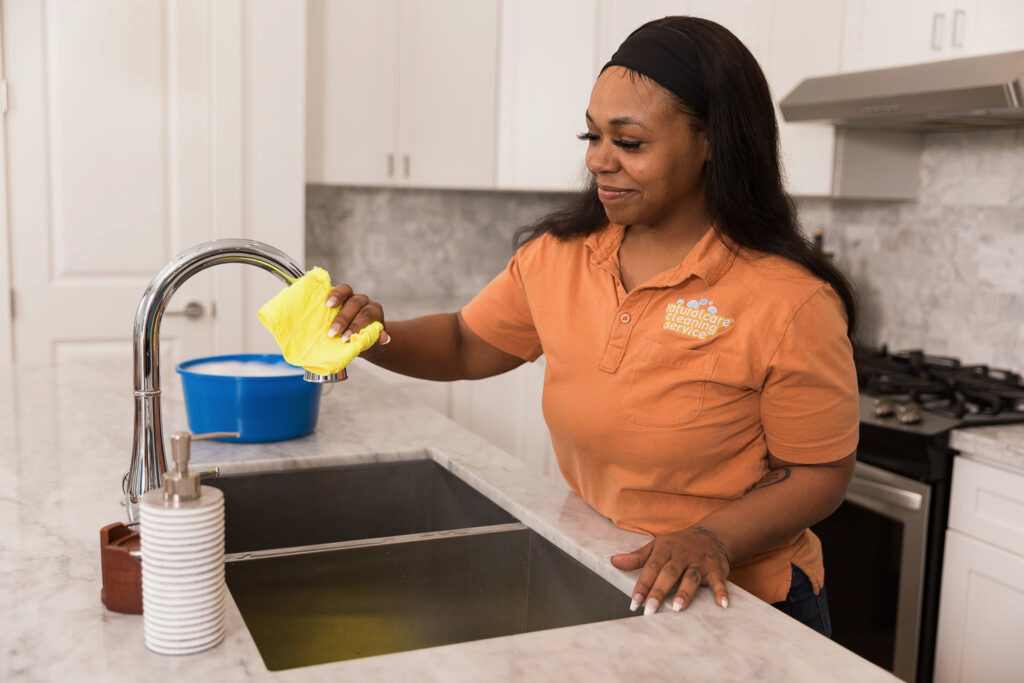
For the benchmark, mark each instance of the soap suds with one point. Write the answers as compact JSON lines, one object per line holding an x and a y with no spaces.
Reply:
{"x":237,"y":368}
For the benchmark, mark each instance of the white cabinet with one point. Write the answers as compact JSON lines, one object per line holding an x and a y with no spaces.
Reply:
{"x":748,"y":19}
{"x":794,"y":52}
{"x":435,"y":395}
{"x":981,"y":618}
{"x":616,"y":19}
{"x":992,"y":26}
{"x":546,"y":73}
{"x":879,"y":35}
{"x":352,"y":92}
{"x":506,"y":410}
{"x":981,"y":613}
{"x":402,"y":92}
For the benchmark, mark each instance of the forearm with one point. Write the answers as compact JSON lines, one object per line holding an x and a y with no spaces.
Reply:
{"x":788,"y":500}
{"x":428,"y":347}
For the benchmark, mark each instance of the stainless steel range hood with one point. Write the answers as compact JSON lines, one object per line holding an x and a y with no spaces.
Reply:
{"x":985,"y":91}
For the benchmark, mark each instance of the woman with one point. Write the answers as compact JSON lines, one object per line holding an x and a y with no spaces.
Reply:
{"x":700,"y":384}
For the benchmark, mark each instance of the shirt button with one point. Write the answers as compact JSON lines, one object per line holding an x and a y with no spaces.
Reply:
{"x":625,"y":318}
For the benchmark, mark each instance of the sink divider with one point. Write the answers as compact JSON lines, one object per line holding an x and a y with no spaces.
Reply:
{"x":373,"y":542}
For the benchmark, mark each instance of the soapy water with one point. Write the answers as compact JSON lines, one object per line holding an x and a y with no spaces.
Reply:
{"x":238,"y":368}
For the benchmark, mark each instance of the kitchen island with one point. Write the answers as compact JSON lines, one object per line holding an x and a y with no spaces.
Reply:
{"x":66,"y":441}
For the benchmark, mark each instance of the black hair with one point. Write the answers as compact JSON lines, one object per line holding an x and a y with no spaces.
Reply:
{"x":728,"y":96}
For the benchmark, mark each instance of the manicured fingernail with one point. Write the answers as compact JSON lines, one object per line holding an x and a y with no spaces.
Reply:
{"x":385,"y":338}
{"x":677,"y":604}
{"x":650,"y":607}
{"x":331,"y":302}
{"x":634,"y":604}
{"x":345,"y":337}
{"x":333,"y":332}
{"x":724,"y":602}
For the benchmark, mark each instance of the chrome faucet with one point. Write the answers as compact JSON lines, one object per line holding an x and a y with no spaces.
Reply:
{"x":148,"y":464}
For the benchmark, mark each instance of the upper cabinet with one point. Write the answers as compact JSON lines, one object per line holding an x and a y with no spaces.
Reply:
{"x":546,"y":72}
{"x":990,"y":26}
{"x":490,"y":93}
{"x":879,"y":35}
{"x":795,"y":52}
{"x":352,"y":92}
{"x":402,"y":92}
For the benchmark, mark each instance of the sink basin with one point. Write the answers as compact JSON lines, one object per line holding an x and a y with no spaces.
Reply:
{"x":327,"y":504}
{"x":346,"y":562}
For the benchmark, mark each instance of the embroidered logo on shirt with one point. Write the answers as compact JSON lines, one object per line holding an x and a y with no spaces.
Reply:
{"x":697,"y":318}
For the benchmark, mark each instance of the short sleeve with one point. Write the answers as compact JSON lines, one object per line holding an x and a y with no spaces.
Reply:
{"x":810,"y":405}
{"x":500,"y":314}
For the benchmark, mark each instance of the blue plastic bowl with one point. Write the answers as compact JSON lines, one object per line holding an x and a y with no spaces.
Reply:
{"x":261,"y":409}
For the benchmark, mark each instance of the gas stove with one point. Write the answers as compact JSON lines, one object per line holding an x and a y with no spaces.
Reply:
{"x":884,"y":545}
{"x":908,"y":385}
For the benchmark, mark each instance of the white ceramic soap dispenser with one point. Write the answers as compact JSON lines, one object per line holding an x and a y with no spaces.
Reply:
{"x":182,"y":542}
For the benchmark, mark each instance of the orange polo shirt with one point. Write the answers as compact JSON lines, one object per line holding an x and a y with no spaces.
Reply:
{"x":664,"y":402}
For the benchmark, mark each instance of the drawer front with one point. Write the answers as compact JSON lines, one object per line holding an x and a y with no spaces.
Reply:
{"x":987,"y":503}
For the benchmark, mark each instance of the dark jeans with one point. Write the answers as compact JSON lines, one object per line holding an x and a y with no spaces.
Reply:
{"x":806,"y":607}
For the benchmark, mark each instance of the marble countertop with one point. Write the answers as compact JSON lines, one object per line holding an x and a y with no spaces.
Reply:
{"x":1001,"y":444}
{"x":66,"y":445}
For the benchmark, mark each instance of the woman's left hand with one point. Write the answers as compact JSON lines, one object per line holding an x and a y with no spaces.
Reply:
{"x":695,"y":555}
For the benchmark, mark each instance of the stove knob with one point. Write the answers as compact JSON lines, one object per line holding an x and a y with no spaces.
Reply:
{"x":884,"y":407}
{"x":908,"y":414}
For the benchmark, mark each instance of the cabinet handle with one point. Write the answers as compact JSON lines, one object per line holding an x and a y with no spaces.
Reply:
{"x":391,"y":165}
{"x":938,"y":28}
{"x":959,"y":27}
{"x":405,"y":165}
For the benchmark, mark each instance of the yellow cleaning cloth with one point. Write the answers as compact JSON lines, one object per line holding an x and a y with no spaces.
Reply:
{"x":299,"y":320}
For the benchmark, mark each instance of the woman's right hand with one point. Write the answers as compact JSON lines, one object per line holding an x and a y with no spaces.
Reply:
{"x":356,"y":311}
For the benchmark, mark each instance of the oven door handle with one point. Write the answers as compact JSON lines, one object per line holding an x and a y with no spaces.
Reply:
{"x":908,"y":500}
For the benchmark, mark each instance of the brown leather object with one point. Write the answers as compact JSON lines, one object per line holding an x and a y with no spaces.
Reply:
{"x":122,"y":573}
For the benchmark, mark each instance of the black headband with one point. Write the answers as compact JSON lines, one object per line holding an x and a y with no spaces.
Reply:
{"x":668,"y":56}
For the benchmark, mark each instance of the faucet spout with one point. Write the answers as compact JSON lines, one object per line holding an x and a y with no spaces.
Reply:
{"x":148,"y":464}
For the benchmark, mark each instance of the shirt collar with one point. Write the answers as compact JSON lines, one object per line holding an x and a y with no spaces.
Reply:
{"x":709,"y":259}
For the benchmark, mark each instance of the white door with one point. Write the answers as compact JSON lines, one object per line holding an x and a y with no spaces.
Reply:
{"x":6,"y":349}
{"x":109,"y":131}
{"x":448,"y":64}
{"x":981,"y":614}
{"x":134,"y":134}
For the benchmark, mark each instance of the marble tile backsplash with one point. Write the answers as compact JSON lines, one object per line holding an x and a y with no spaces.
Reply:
{"x":429,"y":244}
{"x":944,"y":273}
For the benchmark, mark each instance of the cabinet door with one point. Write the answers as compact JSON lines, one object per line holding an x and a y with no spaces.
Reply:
{"x":987,"y":26}
{"x":796,"y":53}
{"x":352,"y":92}
{"x":448,"y":60}
{"x":546,"y":73}
{"x":490,"y":408}
{"x":618,"y":18}
{"x":534,"y":439}
{"x":981,"y":614}
{"x":882,"y":34}
{"x":749,"y":20}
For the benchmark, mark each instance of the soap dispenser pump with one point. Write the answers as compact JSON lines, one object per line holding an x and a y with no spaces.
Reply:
{"x":181,"y":484}
{"x":182,"y":540}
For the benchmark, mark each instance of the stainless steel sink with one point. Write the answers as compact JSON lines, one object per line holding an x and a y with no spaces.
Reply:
{"x":328,"y":504}
{"x":423,"y":565}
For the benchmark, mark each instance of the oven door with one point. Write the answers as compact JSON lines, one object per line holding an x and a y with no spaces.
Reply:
{"x":874,"y":547}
